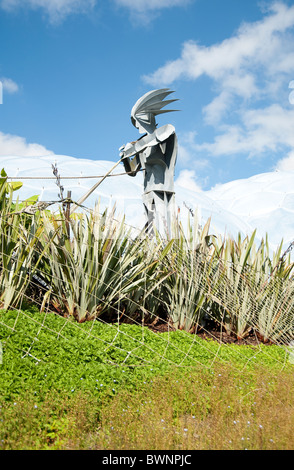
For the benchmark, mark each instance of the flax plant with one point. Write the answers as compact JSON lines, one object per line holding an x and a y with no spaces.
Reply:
{"x":274,"y":316}
{"x":147,"y":299}
{"x":273,"y":294}
{"x":96,"y":268}
{"x":244,"y":299}
{"x":233,"y":295}
{"x":188,"y":287}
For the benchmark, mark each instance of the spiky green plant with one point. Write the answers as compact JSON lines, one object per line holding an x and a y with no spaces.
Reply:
{"x":146,"y":301}
{"x":186,"y":290}
{"x":242,"y":290}
{"x":97,"y":268}
{"x":274,"y":310}
{"x":233,"y":292}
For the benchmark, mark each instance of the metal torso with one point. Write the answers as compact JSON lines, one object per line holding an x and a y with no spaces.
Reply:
{"x":159,"y":163}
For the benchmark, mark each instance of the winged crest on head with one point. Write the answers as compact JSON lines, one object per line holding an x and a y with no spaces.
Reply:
{"x":150,"y":105}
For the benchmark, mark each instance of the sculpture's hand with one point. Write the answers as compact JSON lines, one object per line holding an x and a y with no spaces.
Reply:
{"x":131,"y":165}
{"x":123,"y":149}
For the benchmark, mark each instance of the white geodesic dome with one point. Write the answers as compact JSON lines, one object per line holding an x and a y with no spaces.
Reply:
{"x":264,"y":202}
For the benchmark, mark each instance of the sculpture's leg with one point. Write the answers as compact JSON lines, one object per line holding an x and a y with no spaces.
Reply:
{"x":169,"y":211}
{"x":149,"y":205}
{"x":159,"y":206}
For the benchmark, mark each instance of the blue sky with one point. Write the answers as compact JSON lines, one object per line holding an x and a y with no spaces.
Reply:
{"x":71,"y":71}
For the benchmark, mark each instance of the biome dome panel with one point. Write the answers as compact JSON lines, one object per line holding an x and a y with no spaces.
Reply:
{"x":264,"y":201}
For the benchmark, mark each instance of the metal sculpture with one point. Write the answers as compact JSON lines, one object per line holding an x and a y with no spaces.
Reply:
{"x":155,"y":152}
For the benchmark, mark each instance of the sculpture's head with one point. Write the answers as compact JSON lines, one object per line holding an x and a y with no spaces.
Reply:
{"x":147,"y":107}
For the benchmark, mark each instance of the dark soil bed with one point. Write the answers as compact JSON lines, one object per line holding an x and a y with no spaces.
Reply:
{"x":214,"y":333}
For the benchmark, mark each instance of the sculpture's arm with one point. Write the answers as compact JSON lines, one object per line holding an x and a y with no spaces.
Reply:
{"x":130,"y":152}
{"x":131,"y":165}
{"x":149,"y":140}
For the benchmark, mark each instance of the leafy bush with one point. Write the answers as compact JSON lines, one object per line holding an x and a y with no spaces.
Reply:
{"x":19,"y":234}
{"x":44,"y":350}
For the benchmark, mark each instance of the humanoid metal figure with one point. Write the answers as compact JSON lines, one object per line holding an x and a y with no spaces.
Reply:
{"x":155,"y":153}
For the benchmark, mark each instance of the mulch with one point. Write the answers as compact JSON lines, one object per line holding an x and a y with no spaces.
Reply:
{"x":215,"y":334}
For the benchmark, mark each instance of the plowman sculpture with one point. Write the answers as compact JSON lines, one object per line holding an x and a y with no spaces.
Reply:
{"x":155,"y":153}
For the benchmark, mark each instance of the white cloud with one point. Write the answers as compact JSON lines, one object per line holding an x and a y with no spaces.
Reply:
{"x":145,"y":5}
{"x":145,"y":10}
{"x":250,"y":64}
{"x":56,"y":9}
{"x":260,"y":131}
{"x":187,"y":180}
{"x":9,"y":85}
{"x":188,"y":155}
{"x":185,"y":148}
{"x":291,"y":95}
{"x":142,"y":10}
{"x":255,"y":44}
{"x":250,"y":72}
{"x":214,"y":111}
{"x":286,"y":163}
{"x":15,"y":145}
